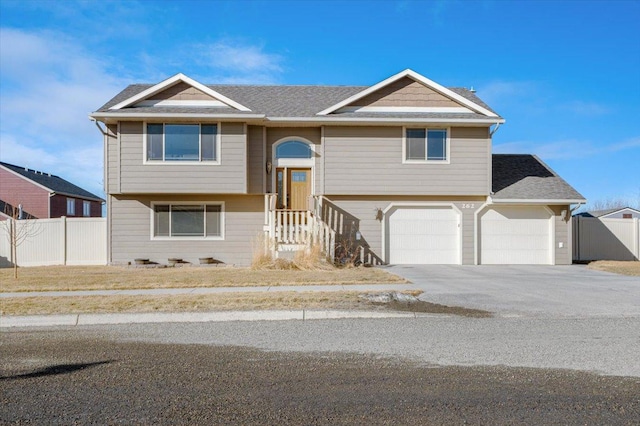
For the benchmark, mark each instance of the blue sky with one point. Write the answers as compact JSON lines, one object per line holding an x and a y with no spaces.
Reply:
{"x":565,"y":75}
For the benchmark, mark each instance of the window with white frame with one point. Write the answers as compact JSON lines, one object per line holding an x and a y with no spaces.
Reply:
{"x":71,"y":206}
{"x":182,"y":142}
{"x":188,"y":220}
{"x":423,"y":144}
{"x":86,"y":208}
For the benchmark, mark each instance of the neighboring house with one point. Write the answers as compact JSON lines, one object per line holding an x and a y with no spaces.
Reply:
{"x":617,"y":213}
{"x":44,"y":195}
{"x":401,"y":171}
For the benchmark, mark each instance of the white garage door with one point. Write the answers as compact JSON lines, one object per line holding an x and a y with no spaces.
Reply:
{"x":424,"y":235}
{"x":515,"y":236}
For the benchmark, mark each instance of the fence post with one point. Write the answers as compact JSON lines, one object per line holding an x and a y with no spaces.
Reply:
{"x":63,"y":220}
{"x":636,"y":229}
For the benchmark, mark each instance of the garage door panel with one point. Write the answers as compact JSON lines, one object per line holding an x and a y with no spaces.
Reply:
{"x":424,"y":235}
{"x":515,"y":235}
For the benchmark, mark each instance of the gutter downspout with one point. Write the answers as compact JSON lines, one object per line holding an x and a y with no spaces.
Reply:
{"x":495,"y":129}
{"x":104,"y":133}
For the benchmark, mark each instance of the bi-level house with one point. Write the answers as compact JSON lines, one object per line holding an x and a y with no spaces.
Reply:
{"x":398,"y":172}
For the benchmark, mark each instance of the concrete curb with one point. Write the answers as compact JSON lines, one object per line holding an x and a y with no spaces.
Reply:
{"x":160,"y":317}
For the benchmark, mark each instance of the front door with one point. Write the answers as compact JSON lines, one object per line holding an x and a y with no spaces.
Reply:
{"x":299,"y":188}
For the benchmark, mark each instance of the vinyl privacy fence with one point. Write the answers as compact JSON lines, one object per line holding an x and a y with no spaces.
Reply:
{"x":605,"y":239}
{"x":60,"y":241}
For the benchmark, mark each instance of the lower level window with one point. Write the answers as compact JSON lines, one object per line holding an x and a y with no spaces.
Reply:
{"x":187,"y":220}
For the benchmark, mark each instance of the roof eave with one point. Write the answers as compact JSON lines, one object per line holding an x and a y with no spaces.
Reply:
{"x":395,"y":120}
{"x":540,"y":201}
{"x":101,"y":116}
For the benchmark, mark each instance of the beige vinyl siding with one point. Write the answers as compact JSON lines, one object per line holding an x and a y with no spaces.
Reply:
{"x":183,"y":92}
{"x":130,"y":230}
{"x":230,"y":176}
{"x":406,"y":92}
{"x":362,"y":210}
{"x":311,"y":134}
{"x":368,"y":160}
{"x":256,"y":163}
{"x":563,"y":256}
{"x":112,"y":168}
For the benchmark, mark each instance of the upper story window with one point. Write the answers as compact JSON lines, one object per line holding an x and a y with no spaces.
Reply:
{"x":86,"y":208}
{"x":293,"y":149}
{"x":71,"y":206}
{"x":423,"y":145}
{"x":182,"y":142}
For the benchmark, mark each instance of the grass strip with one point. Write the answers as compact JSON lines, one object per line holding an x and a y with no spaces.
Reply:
{"x":69,"y":278}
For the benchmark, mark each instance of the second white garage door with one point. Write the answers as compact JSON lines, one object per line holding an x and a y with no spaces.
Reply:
{"x":515,"y":236}
{"x":424,"y":235}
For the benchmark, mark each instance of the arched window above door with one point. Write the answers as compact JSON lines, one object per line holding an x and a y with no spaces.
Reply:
{"x":293,"y":149}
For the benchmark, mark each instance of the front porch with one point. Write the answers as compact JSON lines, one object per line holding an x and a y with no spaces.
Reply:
{"x":287,"y":231}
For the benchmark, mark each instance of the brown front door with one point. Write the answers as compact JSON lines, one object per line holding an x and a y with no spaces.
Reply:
{"x":299,"y":188}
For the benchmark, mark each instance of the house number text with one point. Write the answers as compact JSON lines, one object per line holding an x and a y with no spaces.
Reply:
{"x":468,"y":206}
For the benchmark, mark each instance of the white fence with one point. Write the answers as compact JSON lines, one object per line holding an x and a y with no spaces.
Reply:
{"x":605,"y":239}
{"x":61,"y":241}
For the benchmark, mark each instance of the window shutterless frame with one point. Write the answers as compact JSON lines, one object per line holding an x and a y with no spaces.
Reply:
{"x":430,"y":149}
{"x":167,"y":208}
{"x":155,"y":144}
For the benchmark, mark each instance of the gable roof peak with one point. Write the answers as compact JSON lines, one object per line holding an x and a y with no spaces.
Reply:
{"x":418,"y":78}
{"x":171,"y":81}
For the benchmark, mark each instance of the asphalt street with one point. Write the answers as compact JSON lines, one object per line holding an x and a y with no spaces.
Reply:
{"x":107,"y":375}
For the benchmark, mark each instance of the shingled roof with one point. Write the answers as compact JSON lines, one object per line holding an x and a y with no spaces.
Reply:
{"x":285,"y":101}
{"x":52,"y":182}
{"x":526,"y":177}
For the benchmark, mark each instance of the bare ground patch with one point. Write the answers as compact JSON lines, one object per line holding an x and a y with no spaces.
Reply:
{"x":617,"y":267}
{"x":69,"y":278}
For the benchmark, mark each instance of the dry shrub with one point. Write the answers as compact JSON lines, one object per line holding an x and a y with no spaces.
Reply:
{"x":312,"y":258}
{"x":309,"y":259}
{"x":262,"y":257}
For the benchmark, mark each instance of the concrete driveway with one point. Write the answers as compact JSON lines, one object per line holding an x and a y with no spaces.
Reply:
{"x":527,"y":290}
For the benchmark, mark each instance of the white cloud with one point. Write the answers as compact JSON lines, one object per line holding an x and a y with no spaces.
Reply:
{"x":233,"y":62}
{"x":48,"y":87}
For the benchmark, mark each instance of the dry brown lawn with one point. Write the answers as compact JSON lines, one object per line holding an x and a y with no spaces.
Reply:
{"x":184,"y":303}
{"x":618,"y":267}
{"x":65,"y":278}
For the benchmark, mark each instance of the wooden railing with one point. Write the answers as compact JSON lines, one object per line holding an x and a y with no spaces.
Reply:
{"x":297,"y":227}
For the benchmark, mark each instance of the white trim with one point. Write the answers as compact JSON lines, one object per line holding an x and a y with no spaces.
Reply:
{"x":180,"y":103}
{"x":187,"y":203}
{"x":198,"y":162}
{"x":385,"y":219}
{"x":426,"y":161}
{"x":262,"y":118}
{"x":417,"y":77}
{"x":332,"y":119}
{"x":172,"y":81}
{"x":265,"y":175}
{"x":404,"y":109}
{"x":292,"y":163}
{"x":476,"y":232}
{"x":536,"y":201}
{"x":134,"y":116}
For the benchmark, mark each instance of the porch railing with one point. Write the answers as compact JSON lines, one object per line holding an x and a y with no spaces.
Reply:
{"x":298,"y":227}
